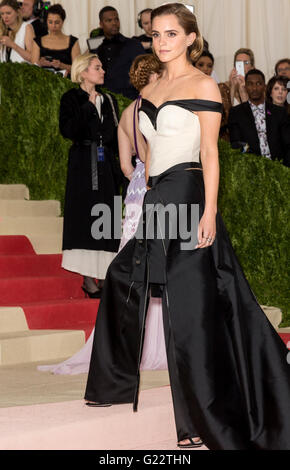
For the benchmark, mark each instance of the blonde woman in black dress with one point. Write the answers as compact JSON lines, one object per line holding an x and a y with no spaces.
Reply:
{"x":89,"y":118}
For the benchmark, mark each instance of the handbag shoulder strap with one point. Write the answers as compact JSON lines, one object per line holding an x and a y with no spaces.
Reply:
{"x":134,"y":124}
{"x":113,"y":109}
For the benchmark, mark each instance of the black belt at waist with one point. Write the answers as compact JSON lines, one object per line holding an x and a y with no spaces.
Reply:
{"x":85,"y":142}
{"x":153,"y":180}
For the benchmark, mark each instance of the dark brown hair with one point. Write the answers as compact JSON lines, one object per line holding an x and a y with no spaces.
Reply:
{"x":57,"y":10}
{"x":141,"y":69}
{"x":187,"y":21}
{"x":270,"y":85}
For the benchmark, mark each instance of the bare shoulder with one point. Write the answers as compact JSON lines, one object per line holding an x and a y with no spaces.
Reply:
{"x":147,"y":90}
{"x":29,"y":29}
{"x":130,"y":109}
{"x":127,"y":115}
{"x":206,"y":88}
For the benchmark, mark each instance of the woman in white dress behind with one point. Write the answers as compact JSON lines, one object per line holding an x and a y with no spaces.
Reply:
{"x":16,"y":36}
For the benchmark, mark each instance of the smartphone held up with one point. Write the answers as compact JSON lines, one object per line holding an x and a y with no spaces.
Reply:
{"x":240,"y":67}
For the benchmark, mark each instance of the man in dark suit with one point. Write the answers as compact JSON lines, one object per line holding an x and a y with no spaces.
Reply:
{"x":258,"y":127}
{"x":117,"y":54}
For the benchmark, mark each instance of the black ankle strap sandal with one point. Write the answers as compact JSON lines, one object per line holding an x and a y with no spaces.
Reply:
{"x":191,"y":444}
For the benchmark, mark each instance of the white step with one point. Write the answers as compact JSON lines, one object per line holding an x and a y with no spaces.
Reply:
{"x":73,"y":426}
{"x":12,"y":319}
{"x":273,"y":314}
{"x":39,"y":345}
{"x":18,"y":208}
{"x":284,"y":330}
{"x":30,"y":225}
{"x":46,"y":244}
{"x":14,"y":191}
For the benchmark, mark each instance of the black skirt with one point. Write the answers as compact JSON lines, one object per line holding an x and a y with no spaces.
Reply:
{"x":228,"y":363}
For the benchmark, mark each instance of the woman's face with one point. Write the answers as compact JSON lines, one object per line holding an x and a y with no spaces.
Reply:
{"x":279,"y":94}
{"x":54,"y":23}
{"x":284,"y":70}
{"x":8,"y":15}
{"x":169,"y":38}
{"x":94,"y":73}
{"x":205,"y":64}
{"x":146,"y":22}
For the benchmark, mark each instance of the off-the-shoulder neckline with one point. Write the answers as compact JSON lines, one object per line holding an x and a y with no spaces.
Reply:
{"x":182,"y":100}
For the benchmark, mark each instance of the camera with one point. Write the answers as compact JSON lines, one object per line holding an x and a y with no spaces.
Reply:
{"x":40,"y":9}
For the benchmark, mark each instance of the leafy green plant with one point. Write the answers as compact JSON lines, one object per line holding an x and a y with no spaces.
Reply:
{"x":254,"y":203}
{"x":32,"y":150}
{"x":254,"y":192}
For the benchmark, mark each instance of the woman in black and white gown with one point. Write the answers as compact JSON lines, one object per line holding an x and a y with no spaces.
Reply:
{"x":228,"y":369}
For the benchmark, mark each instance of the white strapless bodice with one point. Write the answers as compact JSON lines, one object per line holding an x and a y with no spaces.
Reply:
{"x":173,"y":131}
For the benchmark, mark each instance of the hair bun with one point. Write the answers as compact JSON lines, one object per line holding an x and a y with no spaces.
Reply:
{"x":195,"y":50}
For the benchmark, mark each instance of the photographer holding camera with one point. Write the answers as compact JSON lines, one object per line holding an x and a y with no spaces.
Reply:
{"x":31,"y":11}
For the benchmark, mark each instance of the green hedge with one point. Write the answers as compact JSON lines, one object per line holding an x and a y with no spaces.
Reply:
{"x":254,"y":202}
{"x":254,"y":192}
{"x":32,"y":151}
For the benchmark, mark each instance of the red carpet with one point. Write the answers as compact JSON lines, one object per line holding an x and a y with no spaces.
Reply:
{"x":51,"y":297}
{"x":286,"y":338}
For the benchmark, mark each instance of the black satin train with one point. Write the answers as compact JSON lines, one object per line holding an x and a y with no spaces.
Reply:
{"x":228,"y":368}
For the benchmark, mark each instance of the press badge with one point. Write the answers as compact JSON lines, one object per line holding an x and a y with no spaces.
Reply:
{"x":101,"y":153}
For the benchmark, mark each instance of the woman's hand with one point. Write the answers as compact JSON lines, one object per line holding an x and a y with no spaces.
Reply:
{"x":129,"y":173}
{"x":242,"y":88}
{"x":241,"y":82}
{"x":43,"y":62}
{"x":6,"y":41}
{"x":146,"y":45}
{"x":206,"y":230}
{"x":233,"y":78}
{"x":57,"y":64}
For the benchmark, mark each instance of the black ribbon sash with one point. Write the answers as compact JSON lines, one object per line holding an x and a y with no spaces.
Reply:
{"x":94,"y":161}
{"x":94,"y":164}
